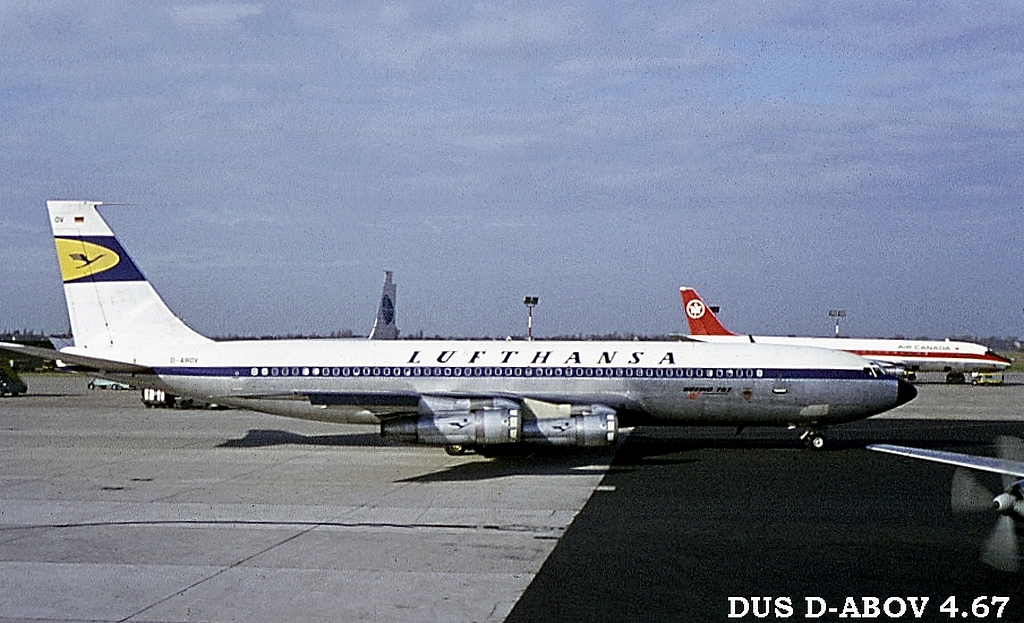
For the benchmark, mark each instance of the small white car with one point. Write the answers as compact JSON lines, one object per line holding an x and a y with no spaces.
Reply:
{"x":98,"y":383}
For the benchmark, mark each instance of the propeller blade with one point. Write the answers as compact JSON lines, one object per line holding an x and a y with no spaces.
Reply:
{"x":1011,"y":449}
{"x":1001,"y":547}
{"x":967,"y":494}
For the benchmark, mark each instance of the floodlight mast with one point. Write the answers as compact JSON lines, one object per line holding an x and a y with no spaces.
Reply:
{"x":530,"y":302}
{"x":837,"y":314}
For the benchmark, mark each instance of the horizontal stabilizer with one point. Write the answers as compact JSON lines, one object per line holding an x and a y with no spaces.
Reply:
{"x":92,"y":363}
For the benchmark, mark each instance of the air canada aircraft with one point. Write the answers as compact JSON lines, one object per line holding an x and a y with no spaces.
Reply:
{"x":900,"y":356}
{"x":480,"y":395}
{"x":1001,"y":549}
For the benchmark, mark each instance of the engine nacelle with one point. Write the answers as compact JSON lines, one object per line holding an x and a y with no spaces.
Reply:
{"x":594,"y":425}
{"x":483,"y":427}
{"x":898,"y":371}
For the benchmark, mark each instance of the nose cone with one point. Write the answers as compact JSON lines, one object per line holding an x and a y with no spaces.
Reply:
{"x":905,"y":392}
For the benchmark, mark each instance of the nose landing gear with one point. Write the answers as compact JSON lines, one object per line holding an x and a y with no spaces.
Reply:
{"x":813,"y":438}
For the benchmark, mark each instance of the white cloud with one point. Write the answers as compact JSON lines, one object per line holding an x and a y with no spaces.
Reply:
{"x":708,"y":127}
{"x":214,"y":16}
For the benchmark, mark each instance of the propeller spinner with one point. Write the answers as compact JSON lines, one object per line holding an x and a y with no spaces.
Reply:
{"x":1002,"y":547}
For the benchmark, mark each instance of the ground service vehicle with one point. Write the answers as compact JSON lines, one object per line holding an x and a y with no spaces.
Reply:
{"x":10,"y":382}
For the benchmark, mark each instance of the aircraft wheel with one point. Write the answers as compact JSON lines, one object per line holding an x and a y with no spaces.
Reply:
{"x":815,"y":441}
{"x":455,"y":449}
{"x":956,"y":378}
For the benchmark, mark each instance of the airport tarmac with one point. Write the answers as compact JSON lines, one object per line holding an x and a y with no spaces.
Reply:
{"x":113,"y":512}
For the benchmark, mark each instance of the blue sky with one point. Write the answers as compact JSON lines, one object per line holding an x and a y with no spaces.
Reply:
{"x":783,"y":158}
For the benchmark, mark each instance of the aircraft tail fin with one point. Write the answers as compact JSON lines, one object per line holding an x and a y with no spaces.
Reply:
{"x":701,"y":318}
{"x":384,"y":327}
{"x":111,"y":305}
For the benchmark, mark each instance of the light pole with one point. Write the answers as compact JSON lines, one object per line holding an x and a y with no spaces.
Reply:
{"x":529,"y":301}
{"x":837,"y":314}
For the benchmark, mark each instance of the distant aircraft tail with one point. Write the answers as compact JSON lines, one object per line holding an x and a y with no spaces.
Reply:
{"x":701,"y":319}
{"x":384,"y":327}
{"x":110,"y":304}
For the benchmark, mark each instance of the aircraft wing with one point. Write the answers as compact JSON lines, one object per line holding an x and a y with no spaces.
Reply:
{"x":682,"y":337}
{"x":383,"y":404}
{"x":367,"y":400}
{"x":91,"y":363}
{"x":389,"y":403}
{"x":981,"y":463}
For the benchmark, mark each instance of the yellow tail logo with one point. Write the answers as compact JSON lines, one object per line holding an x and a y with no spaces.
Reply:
{"x":80,"y":259}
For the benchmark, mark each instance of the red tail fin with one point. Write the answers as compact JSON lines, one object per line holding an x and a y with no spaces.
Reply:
{"x":702,"y":320}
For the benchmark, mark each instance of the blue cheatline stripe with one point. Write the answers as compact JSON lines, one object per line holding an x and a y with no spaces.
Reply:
{"x":691,"y":374}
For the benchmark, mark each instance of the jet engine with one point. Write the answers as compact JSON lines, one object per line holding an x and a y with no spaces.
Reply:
{"x":501,"y":423}
{"x":595,"y":425}
{"x":483,"y":427}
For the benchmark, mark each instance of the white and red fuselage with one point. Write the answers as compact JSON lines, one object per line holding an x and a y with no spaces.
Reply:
{"x":911,"y":355}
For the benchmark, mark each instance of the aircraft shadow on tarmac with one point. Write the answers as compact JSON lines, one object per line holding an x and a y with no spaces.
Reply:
{"x":948,"y":435}
{"x":642,"y":443}
{"x":636,"y":452}
{"x":639,"y":450}
{"x":644,"y":447}
{"x":546,"y":462}
{"x":261,"y":438}
{"x":553,"y":461}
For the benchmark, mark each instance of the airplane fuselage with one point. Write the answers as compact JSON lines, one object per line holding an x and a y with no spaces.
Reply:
{"x":663,"y":382}
{"x":918,"y":355}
